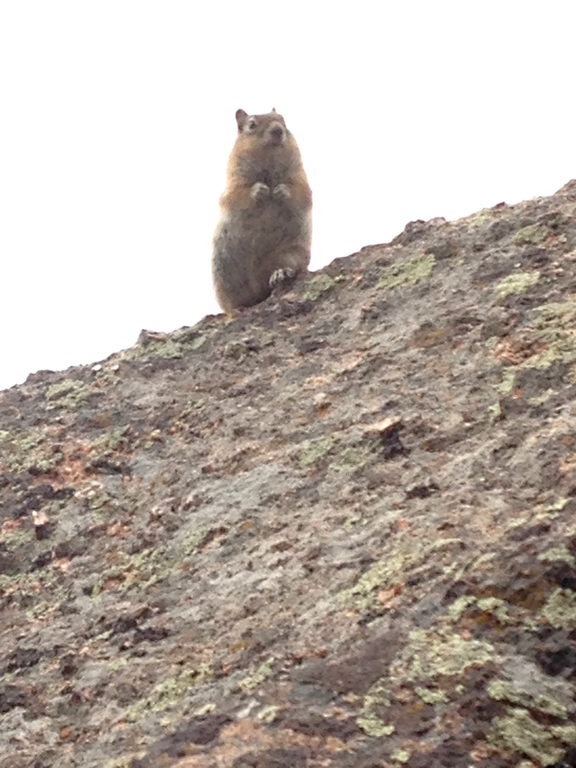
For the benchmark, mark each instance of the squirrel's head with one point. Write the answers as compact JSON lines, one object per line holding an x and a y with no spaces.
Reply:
{"x":269,"y":128}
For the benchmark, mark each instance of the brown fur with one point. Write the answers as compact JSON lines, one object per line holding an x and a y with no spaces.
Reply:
{"x":264,"y":232}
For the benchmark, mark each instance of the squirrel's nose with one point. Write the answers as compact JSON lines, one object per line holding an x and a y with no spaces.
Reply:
{"x":277,"y":132}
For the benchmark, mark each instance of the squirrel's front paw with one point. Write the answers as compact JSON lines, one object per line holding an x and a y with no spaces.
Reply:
{"x":280,"y":276}
{"x":281,"y":192}
{"x":259,"y":191}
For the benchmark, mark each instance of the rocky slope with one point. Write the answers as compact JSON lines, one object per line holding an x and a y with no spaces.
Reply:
{"x":338,"y":530}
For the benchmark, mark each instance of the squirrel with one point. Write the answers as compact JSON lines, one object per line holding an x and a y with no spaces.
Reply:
{"x":264,"y":233}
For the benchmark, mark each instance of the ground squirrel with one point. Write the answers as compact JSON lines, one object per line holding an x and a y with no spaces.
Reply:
{"x":263,"y":236}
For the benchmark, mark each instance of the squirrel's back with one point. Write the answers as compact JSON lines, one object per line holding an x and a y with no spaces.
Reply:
{"x":264,"y":233}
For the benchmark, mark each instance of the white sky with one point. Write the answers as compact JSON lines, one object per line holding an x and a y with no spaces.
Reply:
{"x":117,"y":118}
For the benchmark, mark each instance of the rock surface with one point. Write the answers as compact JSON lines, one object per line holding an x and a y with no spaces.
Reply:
{"x":338,"y":530}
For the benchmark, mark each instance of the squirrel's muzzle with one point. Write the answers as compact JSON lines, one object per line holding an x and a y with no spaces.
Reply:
{"x":276,"y":133}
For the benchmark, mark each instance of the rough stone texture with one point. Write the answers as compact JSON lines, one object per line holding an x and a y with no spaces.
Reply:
{"x":338,"y":530}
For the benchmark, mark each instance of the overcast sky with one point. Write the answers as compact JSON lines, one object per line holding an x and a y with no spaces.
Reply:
{"x":118,"y":118}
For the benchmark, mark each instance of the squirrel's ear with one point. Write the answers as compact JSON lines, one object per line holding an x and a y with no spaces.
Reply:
{"x":241,"y":118}
{"x":274,"y":110}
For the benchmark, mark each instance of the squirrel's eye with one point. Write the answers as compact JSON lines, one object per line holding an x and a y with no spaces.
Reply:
{"x":251,"y":125}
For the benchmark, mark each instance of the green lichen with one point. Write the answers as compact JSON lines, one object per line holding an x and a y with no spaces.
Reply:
{"x":268,"y":714}
{"x":165,"y":350}
{"x":12,"y":539}
{"x":431,"y":696}
{"x":556,"y":313}
{"x":401,"y":756}
{"x":429,"y":654}
{"x":507,"y":384}
{"x":533,"y":234}
{"x":534,"y":691}
{"x":392,"y":570}
{"x":316,"y":449}
{"x":373,"y":726}
{"x":486,"y":605}
{"x":170,"y":347}
{"x":560,"y":609}
{"x":517,"y":283}
{"x":111,"y":441}
{"x":482,"y":217}
{"x":496,"y":607}
{"x":376,"y":701}
{"x":135,"y":571}
{"x":557,"y":554}
{"x":555,"y":332}
{"x":407,"y":272}
{"x":258,"y":676}
{"x":205,"y":709}
{"x":192,"y":541}
{"x":168,"y":693}
{"x":67,"y":394}
{"x":379,"y":576}
{"x":459,"y":607}
{"x":22,"y":451}
{"x":495,"y":411}
{"x":517,"y":731}
{"x":351,"y":458}
{"x":317,"y":286}
{"x":188,"y":338}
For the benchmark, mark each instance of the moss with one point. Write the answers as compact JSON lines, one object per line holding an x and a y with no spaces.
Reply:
{"x":257,"y":677}
{"x":517,"y":731}
{"x":533,"y":234}
{"x":560,"y":609}
{"x":517,"y":283}
{"x":408,"y":272}
{"x":318,"y":285}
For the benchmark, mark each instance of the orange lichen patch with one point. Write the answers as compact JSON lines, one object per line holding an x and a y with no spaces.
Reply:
{"x":482,"y":751}
{"x":10,"y":525}
{"x":248,"y":737}
{"x":516,"y":351}
{"x":118,"y":529}
{"x":387,"y":597}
